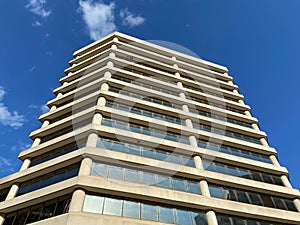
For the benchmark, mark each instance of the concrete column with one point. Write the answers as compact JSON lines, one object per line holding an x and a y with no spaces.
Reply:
{"x":247,"y":113}
{"x":85,"y":167}
{"x":185,"y":108}
{"x":115,"y":39}
{"x":188,"y":123}
{"x":110,"y":64}
{"x":59,"y":95}
{"x":255,"y":126}
{"x":212,"y":218}
{"x":230,"y":82}
{"x":46,"y":123}
{"x":173,"y":58}
{"x":12,"y":192}
{"x":177,"y":74}
{"x":65,"y":83}
{"x":274,"y":160}
{"x":53,"y":108}
{"x":1,"y":219}
{"x":241,"y":102}
{"x":25,"y":165}
{"x":297,"y":204}
{"x":114,"y":47}
{"x":107,"y":74}
{"x":193,"y":141}
{"x":104,"y":87}
{"x":36,"y":142}
{"x":198,"y":162}
{"x":97,"y":118}
{"x":235,"y":91}
{"x":182,"y":95}
{"x":92,"y":140}
{"x":101,"y":101}
{"x":264,"y":142}
{"x":112,"y":55}
{"x":175,"y":66}
{"x":204,"y":188}
{"x":77,"y":201}
{"x":179,"y":84}
{"x":286,"y":181}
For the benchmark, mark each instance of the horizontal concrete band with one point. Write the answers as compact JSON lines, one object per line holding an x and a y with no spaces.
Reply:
{"x":149,"y":193}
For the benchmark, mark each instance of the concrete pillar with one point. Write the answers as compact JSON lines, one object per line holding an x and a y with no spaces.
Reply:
{"x":264,"y":142}
{"x":185,"y":108}
{"x":211,"y":218}
{"x":12,"y":192}
{"x":53,"y":108}
{"x":241,"y":102}
{"x":114,"y":47}
{"x":255,"y":126}
{"x":1,"y":219}
{"x":115,"y":39}
{"x":297,"y":204}
{"x":173,"y":58}
{"x":286,"y":181}
{"x":92,"y":140}
{"x":59,"y":95}
{"x":179,"y":84}
{"x":36,"y":142}
{"x":77,"y":201}
{"x":230,"y":82}
{"x":25,"y":165}
{"x":188,"y":123}
{"x":235,"y":91}
{"x":175,"y":66}
{"x":65,"y":83}
{"x":104,"y":87}
{"x":110,"y":64}
{"x":101,"y":101}
{"x":177,"y":74}
{"x":112,"y":55}
{"x":182,"y":95}
{"x":46,"y":123}
{"x":97,"y":118}
{"x":193,"y":141}
{"x":247,"y":113}
{"x":274,"y":160}
{"x":198,"y":162}
{"x":85,"y":167}
{"x":107,"y":74}
{"x":204,"y":188}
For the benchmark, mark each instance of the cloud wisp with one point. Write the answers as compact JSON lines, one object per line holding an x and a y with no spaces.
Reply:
{"x":6,"y":166}
{"x":37,"y":8}
{"x":98,"y":17}
{"x":7,"y":118}
{"x":130,"y":19}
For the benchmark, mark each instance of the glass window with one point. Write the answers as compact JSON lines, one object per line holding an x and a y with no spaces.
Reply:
{"x":116,"y":173}
{"x":21,"y":217}
{"x":200,"y":219}
{"x":93,"y":204}
{"x":131,"y":209}
{"x":163,"y":181}
{"x":149,"y":212}
{"x":113,"y":206}
{"x":278,"y":203}
{"x":9,"y":220}
{"x":179,"y":184}
{"x":134,"y":150}
{"x":223,"y":220}
{"x":48,"y":210}
{"x":183,"y":217}
{"x":193,"y":187}
{"x":132,"y":176}
{"x":255,"y":199}
{"x":99,"y":169}
{"x":166,"y":215}
{"x":238,"y":222}
{"x":119,"y":147}
{"x":62,"y":206}
{"x":148,"y":153}
{"x":242,"y":196}
{"x":149,"y":178}
{"x":217,"y":192}
{"x":290,"y":205}
{"x":34,"y":213}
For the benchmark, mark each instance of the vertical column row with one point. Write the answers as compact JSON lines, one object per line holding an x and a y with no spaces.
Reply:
{"x":211,"y":216}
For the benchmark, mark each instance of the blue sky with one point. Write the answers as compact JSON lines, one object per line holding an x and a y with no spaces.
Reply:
{"x":257,"y":40}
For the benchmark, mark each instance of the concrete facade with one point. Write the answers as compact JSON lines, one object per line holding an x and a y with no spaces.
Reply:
{"x":142,"y":96}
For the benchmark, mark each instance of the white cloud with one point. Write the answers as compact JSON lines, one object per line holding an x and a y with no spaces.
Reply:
{"x":37,"y":8}
{"x":44,"y":108}
{"x":8,"y":118}
{"x":98,"y":17}
{"x":129,"y":19}
{"x":6,"y":165}
{"x":36,"y":24}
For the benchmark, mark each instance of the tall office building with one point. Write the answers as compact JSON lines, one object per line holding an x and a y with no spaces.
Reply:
{"x":141,"y":134}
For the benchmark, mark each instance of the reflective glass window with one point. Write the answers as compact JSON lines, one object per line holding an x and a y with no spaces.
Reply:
{"x":149,"y":212}
{"x":166,"y":215}
{"x":131,"y":209}
{"x":93,"y":204}
{"x":183,"y":217}
{"x":113,"y":206}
